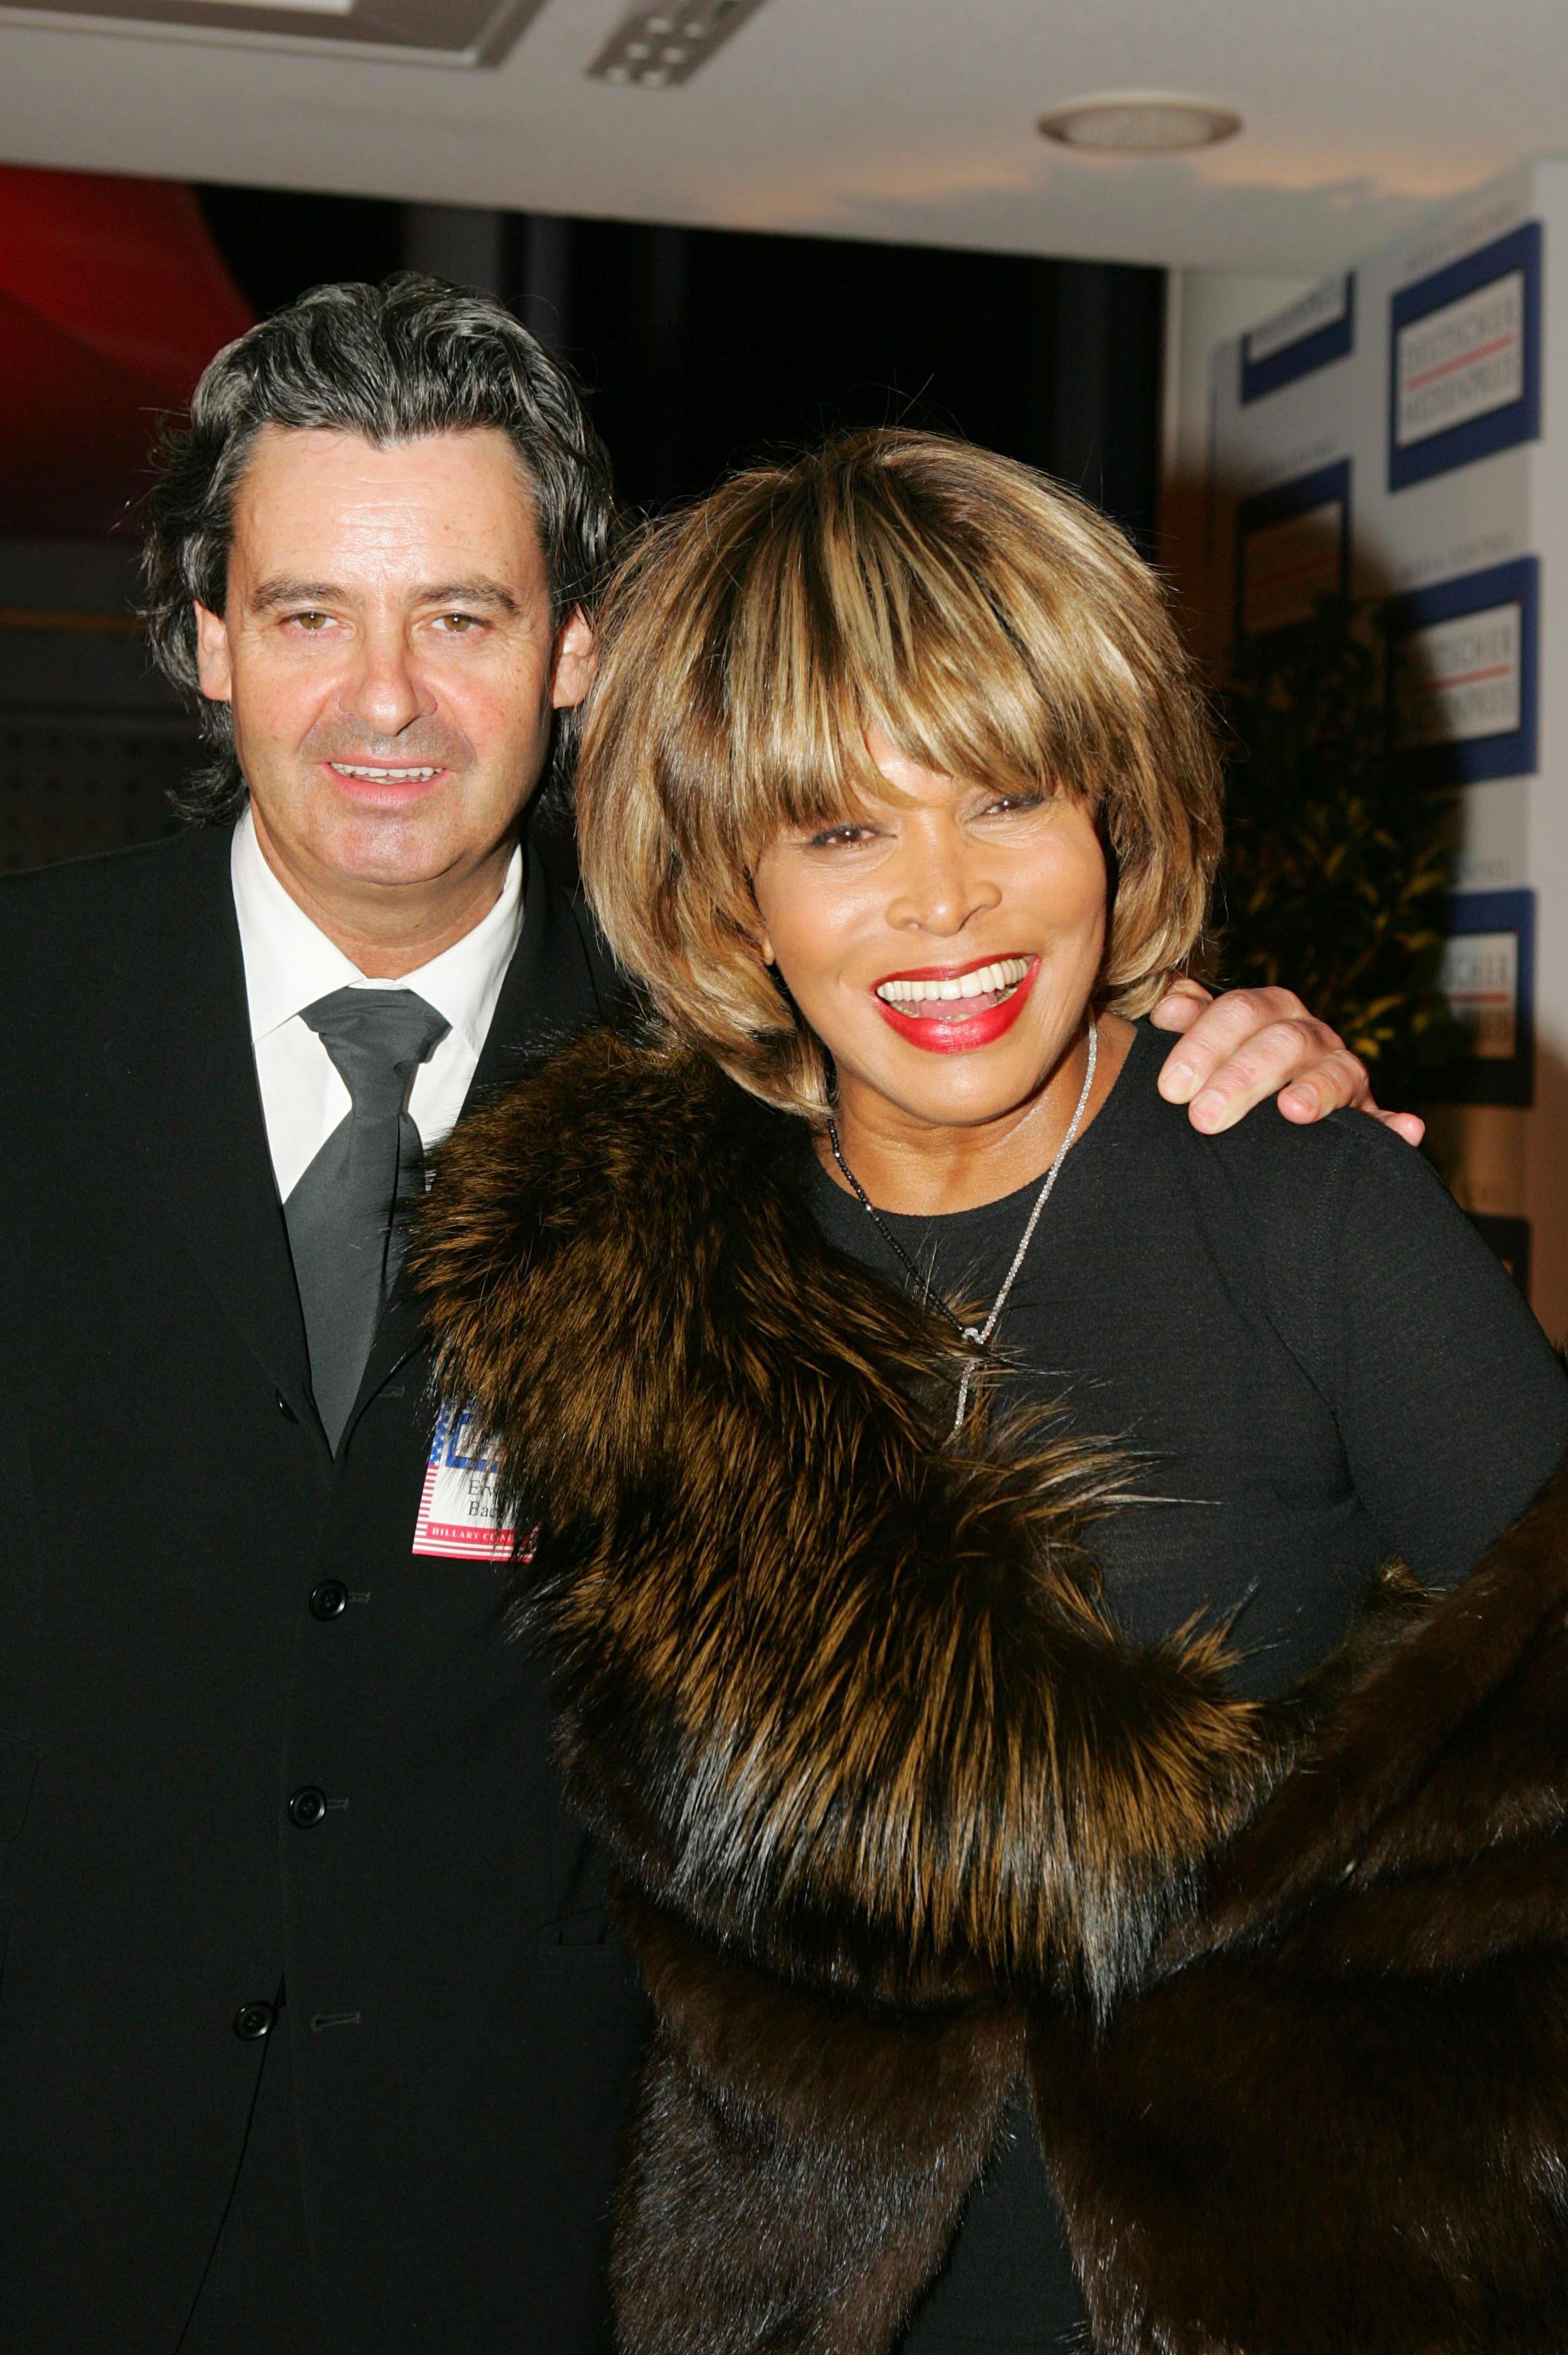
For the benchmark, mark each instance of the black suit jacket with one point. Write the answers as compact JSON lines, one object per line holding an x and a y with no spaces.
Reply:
{"x":462,"y":2032}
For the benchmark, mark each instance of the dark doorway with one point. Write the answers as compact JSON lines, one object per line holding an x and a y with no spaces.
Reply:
{"x":278,"y":241}
{"x":703,"y":349}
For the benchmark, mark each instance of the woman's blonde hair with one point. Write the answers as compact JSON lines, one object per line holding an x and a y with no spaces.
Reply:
{"x":992,"y":626}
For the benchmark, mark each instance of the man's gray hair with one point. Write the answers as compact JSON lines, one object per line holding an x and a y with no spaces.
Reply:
{"x":392,"y":363}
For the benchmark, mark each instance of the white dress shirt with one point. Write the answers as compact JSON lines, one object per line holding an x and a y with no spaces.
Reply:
{"x":290,"y":962}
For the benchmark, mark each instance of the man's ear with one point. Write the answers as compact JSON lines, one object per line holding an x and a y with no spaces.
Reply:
{"x":571,"y":672}
{"x":214,"y":667}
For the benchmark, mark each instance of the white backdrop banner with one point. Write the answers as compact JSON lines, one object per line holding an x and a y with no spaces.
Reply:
{"x":1403,"y":432}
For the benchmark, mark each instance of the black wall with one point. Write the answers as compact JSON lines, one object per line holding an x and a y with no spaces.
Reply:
{"x":702,"y":348}
{"x":706,"y":347}
{"x":278,"y":241}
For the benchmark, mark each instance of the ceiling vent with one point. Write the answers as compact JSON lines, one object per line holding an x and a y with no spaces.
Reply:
{"x":656,"y":49}
{"x":430,"y":32}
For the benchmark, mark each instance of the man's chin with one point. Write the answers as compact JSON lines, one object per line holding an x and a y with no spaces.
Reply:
{"x":355,"y":842}
{"x":393,"y":863}
{"x":393,"y":845}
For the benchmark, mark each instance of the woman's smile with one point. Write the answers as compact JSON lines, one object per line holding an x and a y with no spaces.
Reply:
{"x":942,"y":941}
{"x":952,"y":1009}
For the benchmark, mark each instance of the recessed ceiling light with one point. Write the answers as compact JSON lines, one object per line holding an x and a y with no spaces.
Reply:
{"x":1134,"y":125}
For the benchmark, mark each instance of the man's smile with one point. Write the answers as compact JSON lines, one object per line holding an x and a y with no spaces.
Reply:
{"x":380,"y":775}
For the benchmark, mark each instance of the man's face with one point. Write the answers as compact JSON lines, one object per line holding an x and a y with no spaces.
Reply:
{"x":387,"y":648}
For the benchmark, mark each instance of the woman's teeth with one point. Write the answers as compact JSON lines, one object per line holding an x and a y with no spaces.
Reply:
{"x":993,"y":982}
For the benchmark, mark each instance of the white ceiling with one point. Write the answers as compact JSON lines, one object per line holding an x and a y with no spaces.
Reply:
{"x":899,"y":119}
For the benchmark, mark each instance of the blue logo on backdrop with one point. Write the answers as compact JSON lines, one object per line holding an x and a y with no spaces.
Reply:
{"x":1314,"y":332}
{"x":1489,"y":979}
{"x":1465,"y":360}
{"x":1464,"y":669}
{"x":1293,"y":547}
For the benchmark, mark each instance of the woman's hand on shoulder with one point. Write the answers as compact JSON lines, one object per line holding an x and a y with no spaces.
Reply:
{"x":1247,"y":1044}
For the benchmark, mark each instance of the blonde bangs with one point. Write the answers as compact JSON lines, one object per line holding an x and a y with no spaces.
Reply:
{"x":990,"y":625}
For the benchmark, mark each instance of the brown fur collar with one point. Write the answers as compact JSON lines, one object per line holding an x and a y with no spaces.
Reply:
{"x":890,"y":1795}
{"x":827,"y":1687}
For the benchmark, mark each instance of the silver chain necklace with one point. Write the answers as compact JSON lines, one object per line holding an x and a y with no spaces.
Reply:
{"x":977,"y":1336}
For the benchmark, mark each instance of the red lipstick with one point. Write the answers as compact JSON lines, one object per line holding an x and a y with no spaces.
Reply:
{"x":956,"y":1036}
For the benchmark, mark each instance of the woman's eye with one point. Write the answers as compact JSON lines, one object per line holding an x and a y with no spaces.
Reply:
{"x":1009,"y":804}
{"x":832,"y":835}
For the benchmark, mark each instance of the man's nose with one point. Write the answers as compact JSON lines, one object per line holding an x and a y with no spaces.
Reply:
{"x":386,"y":691}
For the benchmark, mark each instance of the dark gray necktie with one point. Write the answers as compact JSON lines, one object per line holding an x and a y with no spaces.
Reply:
{"x":342,"y":1215}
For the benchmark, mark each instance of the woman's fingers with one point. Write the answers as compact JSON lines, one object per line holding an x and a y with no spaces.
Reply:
{"x":1251,"y":1043}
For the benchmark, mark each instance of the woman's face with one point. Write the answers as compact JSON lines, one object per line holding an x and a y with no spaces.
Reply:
{"x":944,"y":948}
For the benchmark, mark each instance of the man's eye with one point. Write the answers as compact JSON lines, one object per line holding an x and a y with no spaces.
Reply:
{"x":458,"y":624}
{"x":309,"y":621}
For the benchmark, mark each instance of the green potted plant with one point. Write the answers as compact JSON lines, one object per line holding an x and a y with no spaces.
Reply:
{"x":1337,"y":854}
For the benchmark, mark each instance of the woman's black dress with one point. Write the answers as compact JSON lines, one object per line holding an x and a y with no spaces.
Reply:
{"x":1314,"y":1362}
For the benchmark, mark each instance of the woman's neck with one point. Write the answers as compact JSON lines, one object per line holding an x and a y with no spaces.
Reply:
{"x":916,"y":1170}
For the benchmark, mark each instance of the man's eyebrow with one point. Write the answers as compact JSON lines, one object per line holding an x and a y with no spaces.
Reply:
{"x":471,"y":593}
{"x":288,"y":589}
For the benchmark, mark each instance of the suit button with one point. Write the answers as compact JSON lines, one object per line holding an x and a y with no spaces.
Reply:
{"x":284,"y":1409}
{"x":307,"y":1807}
{"x":328,"y":1599}
{"x":254,"y":2020}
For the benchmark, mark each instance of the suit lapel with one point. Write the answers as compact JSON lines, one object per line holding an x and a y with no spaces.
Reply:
{"x":551,"y":994}
{"x":195,"y":1098}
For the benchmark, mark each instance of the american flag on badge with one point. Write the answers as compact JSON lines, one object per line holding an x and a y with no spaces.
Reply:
{"x":458,"y":1516}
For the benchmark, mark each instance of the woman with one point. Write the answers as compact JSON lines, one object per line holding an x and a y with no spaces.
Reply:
{"x":964,"y":1490}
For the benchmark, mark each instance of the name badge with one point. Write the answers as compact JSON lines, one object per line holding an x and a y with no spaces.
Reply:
{"x":459,"y":1516}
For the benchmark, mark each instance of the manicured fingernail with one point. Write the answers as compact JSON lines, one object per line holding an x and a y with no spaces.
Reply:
{"x":1209,"y":1109}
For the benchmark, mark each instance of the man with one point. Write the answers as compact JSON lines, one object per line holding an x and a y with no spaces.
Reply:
{"x":314,"y":2036}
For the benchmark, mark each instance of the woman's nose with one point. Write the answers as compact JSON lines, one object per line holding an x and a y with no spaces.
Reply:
{"x":941,"y":885}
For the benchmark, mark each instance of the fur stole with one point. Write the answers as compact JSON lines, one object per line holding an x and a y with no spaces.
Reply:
{"x":898,"y":1815}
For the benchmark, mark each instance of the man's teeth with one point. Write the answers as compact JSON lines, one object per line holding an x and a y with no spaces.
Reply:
{"x":385,"y":776}
{"x":984,"y":981}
